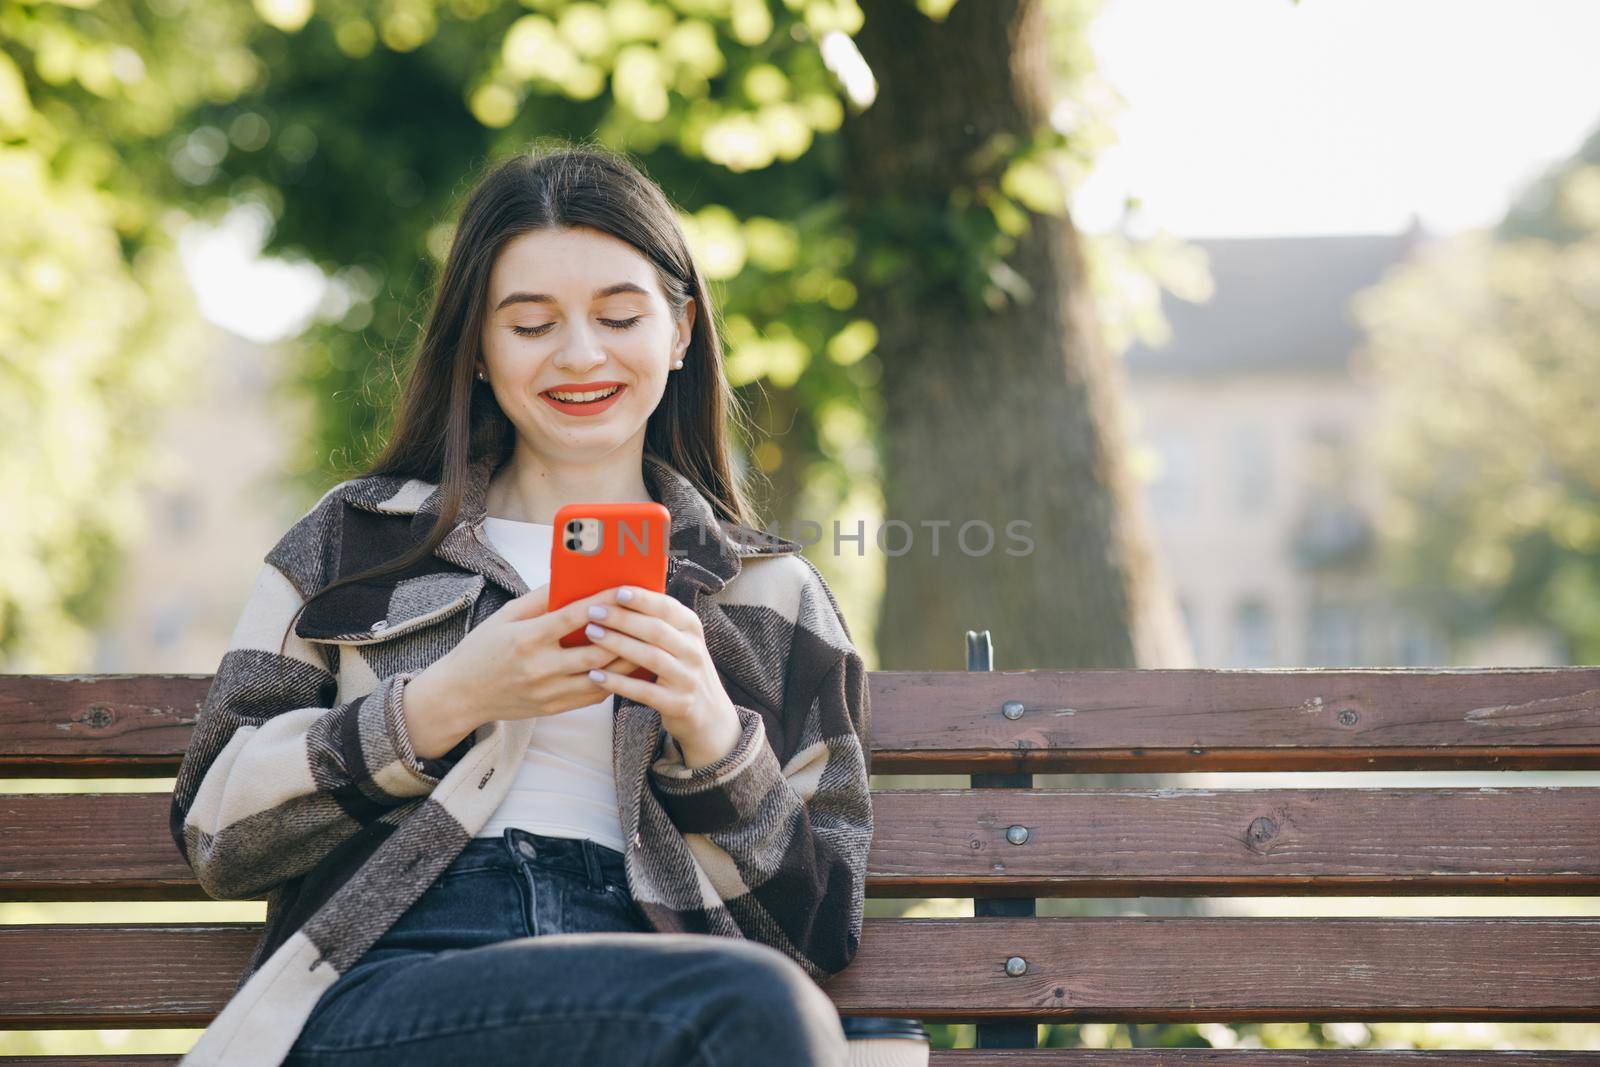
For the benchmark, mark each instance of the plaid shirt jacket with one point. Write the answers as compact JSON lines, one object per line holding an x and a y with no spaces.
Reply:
{"x":300,"y":782}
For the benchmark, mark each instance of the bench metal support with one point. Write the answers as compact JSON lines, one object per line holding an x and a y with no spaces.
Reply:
{"x":1004,"y":1033}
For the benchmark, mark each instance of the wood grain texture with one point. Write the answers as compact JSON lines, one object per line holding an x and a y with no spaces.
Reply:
{"x":1087,"y":1057}
{"x":1078,"y":969}
{"x":1227,"y":969}
{"x":1253,"y":1057}
{"x":953,"y":843}
{"x":1081,"y":843}
{"x":97,"y":725}
{"x":88,"y":1061}
{"x":1246,"y":720}
{"x":951,"y":722}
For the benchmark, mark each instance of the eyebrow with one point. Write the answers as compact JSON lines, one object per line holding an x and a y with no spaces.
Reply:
{"x":546,"y":298}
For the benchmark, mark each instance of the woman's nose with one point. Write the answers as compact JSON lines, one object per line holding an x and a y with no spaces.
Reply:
{"x":582,"y":351}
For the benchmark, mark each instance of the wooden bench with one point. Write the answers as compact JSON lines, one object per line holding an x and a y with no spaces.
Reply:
{"x":1003,"y":843}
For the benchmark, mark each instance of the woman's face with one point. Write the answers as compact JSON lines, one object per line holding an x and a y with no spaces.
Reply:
{"x":576,"y":307}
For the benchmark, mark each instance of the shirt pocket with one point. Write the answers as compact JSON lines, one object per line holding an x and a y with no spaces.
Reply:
{"x":374,"y":630}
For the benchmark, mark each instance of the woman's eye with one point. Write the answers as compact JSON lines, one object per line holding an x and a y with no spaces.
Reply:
{"x":615,"y":324}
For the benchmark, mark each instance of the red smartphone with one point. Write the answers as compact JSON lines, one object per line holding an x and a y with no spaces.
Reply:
{"x":604,"y":545}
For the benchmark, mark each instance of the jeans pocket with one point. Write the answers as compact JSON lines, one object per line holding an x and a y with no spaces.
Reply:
{"x":628,"y":906}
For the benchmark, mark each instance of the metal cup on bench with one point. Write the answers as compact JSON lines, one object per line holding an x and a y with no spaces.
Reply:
{"x":883,"y":1042}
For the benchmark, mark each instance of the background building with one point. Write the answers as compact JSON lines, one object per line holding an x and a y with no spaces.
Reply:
{"x":222,"y":505}
{"x":1267,"y":488}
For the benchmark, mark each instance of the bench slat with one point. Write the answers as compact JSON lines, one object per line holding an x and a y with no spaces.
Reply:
{"x":1231,"y":969}
{"x":1112,"y":842}
{"x":1255,"y":1057}
{"x":1110,"y":721}
{"x":950,"y":722}
{"x":1202,"y":842}
{"x":88,"y":1061}
{"x":1084,"y":1057}
{"x":104,"y":725}
{"x":1104,"y":969}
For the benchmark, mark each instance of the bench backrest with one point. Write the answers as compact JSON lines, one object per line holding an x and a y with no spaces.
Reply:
{"x":1003,"y":846}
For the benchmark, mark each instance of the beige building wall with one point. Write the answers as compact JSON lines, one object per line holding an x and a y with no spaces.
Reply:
{"x":221,"y":506}
{"x":1237,"y":465}
{"x":1257,"y":442}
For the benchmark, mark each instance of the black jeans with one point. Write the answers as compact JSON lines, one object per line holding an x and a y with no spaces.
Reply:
{"x":529,"y":950}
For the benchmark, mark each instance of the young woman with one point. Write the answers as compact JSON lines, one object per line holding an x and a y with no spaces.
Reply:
{"x":478,"y":846}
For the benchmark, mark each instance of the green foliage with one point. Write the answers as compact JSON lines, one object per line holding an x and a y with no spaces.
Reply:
{"x":729,"y":105}
{"x":372,"y":122}
{"x":356,"y":125}
{"x":98,"y":333}
{"x":1488,"y":354}
{"x":922,"y":252}
{"x":1543,"y":208}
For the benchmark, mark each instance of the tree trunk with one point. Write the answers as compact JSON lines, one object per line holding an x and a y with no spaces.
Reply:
{"x":995,"y":416}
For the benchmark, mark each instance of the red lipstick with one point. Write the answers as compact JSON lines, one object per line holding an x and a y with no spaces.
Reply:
{"x":583,"y":407}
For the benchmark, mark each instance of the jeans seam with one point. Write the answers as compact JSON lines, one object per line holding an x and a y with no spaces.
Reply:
{"x":530,"y":900}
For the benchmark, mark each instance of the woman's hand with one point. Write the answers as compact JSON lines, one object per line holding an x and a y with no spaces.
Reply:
{"x":510,"y":666}
{"x":662,"y":635}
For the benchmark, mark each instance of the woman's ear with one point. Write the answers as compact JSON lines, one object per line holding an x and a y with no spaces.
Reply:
{"x":685,"y":329}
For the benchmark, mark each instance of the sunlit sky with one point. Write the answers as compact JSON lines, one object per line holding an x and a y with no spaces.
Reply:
{"x":1252,"y":117}
{"x":1242,"y":117}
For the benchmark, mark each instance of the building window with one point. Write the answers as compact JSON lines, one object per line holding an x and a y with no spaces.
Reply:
{"x":167,"y":628}
{"x":1327,"y":456}
{"x":1333,"y":635}
{"x":1249,"y":464}
{"x":1418,"y":643}
{"x":108,"y":651}
{"x":1252,"y":643}
{"x":181,"y":513}
{"x":1173,"y":492}
{"x":1191,"y":624}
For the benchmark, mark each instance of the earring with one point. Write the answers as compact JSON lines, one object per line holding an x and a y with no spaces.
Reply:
{"x":482,"y":377}
{"x":677,"y":364}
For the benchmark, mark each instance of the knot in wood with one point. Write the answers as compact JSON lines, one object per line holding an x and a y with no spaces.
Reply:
{"x":1262,"y":830}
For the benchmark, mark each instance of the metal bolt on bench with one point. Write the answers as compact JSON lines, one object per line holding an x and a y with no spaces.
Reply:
{"x":1015,"y":1033}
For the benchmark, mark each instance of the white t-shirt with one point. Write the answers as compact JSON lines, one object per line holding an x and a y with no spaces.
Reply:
{"x":565,"y":786}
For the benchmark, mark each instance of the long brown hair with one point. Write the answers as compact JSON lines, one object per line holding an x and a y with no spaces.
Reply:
{"x":445,"y":418}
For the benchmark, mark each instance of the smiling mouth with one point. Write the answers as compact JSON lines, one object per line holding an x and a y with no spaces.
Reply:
{"x":581,"y":398}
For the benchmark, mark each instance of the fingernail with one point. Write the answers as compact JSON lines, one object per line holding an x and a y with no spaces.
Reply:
{"x":624,"y":595}
{"x":597,"y":675}
{"x":594,"y":631}
{"x":597,"y":611}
